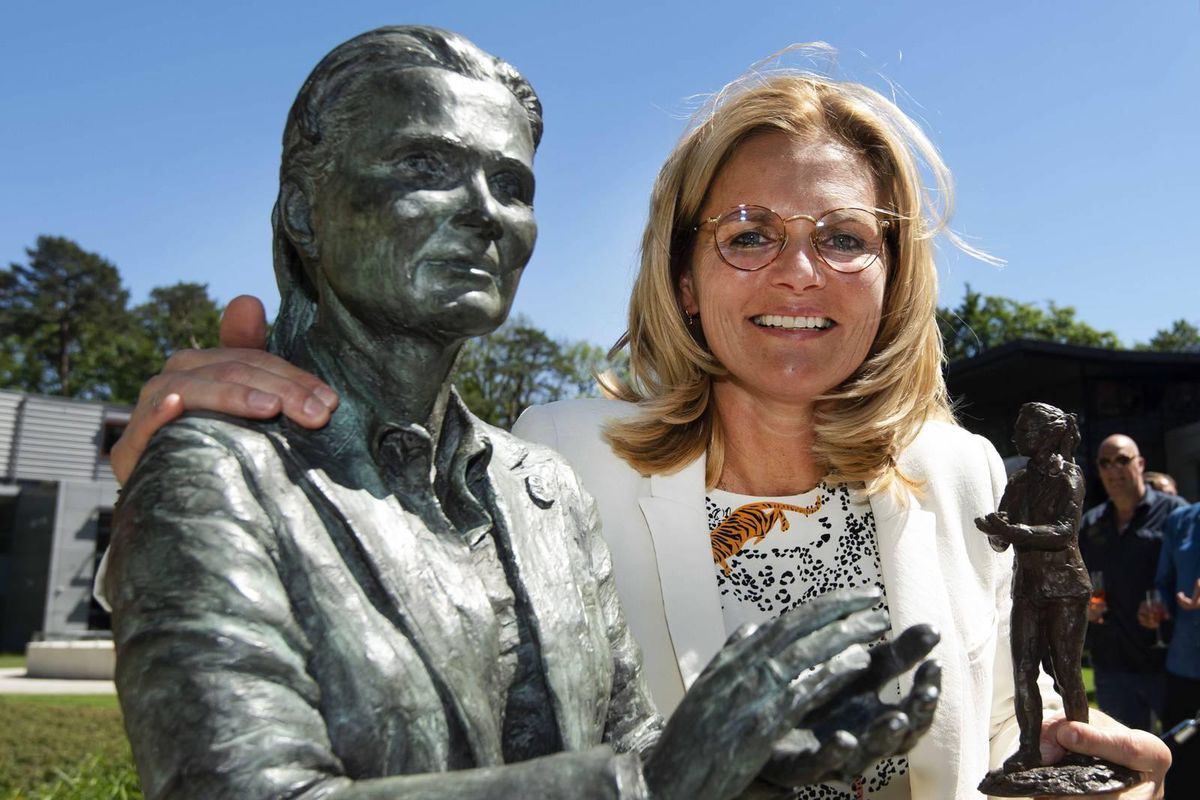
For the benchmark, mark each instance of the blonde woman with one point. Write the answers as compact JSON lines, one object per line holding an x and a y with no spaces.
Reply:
{"x":785,"y":430}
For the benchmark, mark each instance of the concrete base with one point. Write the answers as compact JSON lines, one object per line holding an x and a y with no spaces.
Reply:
{"x":82,"y":660}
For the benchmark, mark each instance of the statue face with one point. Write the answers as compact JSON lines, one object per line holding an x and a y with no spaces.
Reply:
{"x":426,"y":221}
{"x":1027,"y":433}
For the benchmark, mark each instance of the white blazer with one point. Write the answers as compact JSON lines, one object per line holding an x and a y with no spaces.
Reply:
{"x":938,"y":569}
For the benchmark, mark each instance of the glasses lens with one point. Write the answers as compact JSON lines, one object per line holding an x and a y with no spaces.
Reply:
{"x":1118,"y":461}
{"x":749,"y":237}
{"x":849,"y":239}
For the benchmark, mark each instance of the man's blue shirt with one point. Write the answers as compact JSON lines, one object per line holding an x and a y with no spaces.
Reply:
{"x":1178,"y":569}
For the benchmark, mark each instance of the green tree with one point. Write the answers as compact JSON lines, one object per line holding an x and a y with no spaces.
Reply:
{"x":174,"y":318}
{"x":984,"y":321}
{"x":60,"y":317}
{"x":179,"y":317}
{"x":1181,"y":336}
{"x":519,"y":365}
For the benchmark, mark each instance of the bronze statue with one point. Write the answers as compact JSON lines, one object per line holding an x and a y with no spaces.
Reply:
{"x":1039,"y":516}
{"x":409,"y":602}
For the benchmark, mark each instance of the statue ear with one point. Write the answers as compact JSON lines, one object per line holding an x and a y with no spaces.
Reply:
{"x":296,"y":214}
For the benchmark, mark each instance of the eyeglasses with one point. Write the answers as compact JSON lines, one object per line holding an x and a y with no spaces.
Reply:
{"x":1116,"y":461}
{"x":751,"y":237}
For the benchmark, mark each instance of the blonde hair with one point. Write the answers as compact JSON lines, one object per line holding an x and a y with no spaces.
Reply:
{"x":862,"y":425}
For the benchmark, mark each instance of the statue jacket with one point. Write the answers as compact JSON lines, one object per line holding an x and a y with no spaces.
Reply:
{"x":286,"y":629}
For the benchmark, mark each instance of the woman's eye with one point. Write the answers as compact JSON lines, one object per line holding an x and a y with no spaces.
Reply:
{"x":750,"y":239}
{"x":843,"y":242}
{"x":508,"y":186}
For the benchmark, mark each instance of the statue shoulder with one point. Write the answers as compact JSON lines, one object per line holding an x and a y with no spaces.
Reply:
{"x":198,"y":443}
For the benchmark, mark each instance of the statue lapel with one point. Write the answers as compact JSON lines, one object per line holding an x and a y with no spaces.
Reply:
{"x":441,"y":607}
{"x":535,"y":518}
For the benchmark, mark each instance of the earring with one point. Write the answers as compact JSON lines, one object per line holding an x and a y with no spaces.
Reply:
{"x":690,"y":318}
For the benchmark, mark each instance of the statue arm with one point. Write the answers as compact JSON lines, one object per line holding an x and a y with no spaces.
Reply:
{"x":1063,"y":532}
{"x":212,"y":664}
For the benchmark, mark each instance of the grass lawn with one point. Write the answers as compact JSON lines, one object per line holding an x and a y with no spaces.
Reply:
{"x":64,"y":747}
{"x":11,"y":660}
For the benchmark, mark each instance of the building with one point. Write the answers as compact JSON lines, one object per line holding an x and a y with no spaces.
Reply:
{"x":56,"y":497}
{"x":1150,"y":396}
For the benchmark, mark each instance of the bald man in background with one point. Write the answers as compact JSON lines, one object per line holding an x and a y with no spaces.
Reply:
{"x":1121,"y":538}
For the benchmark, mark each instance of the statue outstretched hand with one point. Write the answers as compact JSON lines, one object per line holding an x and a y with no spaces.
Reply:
{"x":766,"y":681}
{"x":840,"y":739}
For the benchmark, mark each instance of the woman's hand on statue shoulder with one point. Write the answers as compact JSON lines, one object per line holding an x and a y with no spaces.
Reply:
{"x":238,"y":378}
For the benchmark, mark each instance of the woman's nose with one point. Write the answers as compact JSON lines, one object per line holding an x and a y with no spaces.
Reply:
{"x":798,"y":265}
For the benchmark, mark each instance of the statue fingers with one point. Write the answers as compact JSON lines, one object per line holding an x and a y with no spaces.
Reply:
{"x":802,"y":760}
{"x":822,"y":684}
{"x":805,"y":620}
{"x":922,"y":701}
{"x":893,"y":658}
{"x":881,"y":739}
{"x":732,"y":651}
{"x":822,"y":645}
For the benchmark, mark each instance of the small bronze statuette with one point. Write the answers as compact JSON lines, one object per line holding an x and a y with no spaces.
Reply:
{"x":1039,"y":516}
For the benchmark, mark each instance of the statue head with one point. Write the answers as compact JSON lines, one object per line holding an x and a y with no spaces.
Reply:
{"x":406,"y":187}
{"x":1043,"y":428}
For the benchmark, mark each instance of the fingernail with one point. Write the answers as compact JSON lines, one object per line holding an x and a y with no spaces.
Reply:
{"x":261,"y":401}
{"x":314,"y":407}
{"x":326,"y":395}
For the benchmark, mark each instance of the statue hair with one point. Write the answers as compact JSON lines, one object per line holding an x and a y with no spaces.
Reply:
{"x":1061,"y":428}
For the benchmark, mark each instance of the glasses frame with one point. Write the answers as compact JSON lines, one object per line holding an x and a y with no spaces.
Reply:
{"x":884,"y":227}
{"x":1116,"y":461}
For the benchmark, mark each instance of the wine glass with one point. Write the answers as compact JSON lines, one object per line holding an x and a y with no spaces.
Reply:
{"x":1154,"y":600}
{"x":1097,"y":578}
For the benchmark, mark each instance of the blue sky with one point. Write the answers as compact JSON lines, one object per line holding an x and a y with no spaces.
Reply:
{"x":149,"y":132}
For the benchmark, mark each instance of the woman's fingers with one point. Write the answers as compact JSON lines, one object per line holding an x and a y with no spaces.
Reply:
{"x":226,"y":379}
{"x":1138,"y":750}
{"x":244,"y":323}
{"x":147,"y":417}
{"x":247,"y":383}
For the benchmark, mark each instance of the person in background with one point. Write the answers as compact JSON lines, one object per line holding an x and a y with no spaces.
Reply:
{"x":1178,"y":584}
{"x":1121,"y":539}
{"x":1162,"y":482}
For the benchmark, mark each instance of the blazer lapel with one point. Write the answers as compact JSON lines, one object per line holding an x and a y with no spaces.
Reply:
{"x":916,"y":593}
{"x":674,"y":513}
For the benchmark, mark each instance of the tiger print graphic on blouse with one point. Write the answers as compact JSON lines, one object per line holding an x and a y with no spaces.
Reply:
{"x":748,"y":524}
